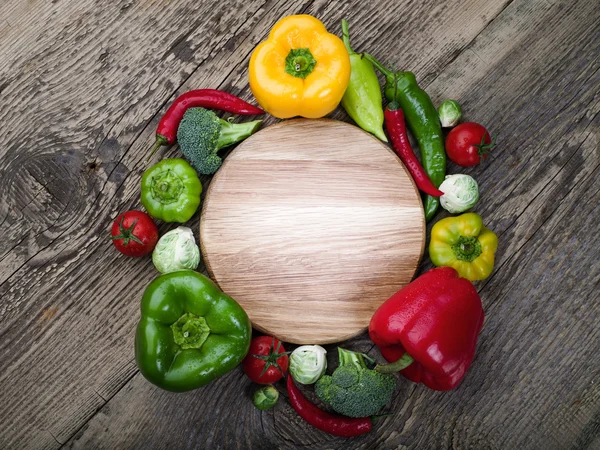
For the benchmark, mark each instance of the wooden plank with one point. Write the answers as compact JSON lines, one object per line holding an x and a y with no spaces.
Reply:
{"x":71,"y":254}
{"x":57,"y":294}
{"x":531,"y":384}
{"x":48,"y":239}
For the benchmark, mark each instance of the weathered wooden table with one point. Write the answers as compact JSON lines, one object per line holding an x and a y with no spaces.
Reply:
{"x":83,"y":84}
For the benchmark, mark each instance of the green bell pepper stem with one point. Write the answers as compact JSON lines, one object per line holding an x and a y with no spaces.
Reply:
{"x":189,"y":332}
{"x":424,"y":124}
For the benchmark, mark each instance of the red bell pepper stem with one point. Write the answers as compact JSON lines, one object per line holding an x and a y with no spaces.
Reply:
{"x":166,"y":133}
{"x":401,"y":364}
{"x":396,"y":129}
{"x":324,"y":421}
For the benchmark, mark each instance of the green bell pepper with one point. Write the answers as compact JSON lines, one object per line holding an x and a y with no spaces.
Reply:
{"x":189,"y":332}
{"x":171,"y":190}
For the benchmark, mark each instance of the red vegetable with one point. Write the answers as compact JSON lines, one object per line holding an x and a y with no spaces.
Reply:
{"x":436,"y":320}
{"x":134,"y":233}
{"x":266,"y":361}
{"x":396,"y":129}
{"x":468,"y":144}
{"x":324,"y":421}
{"x":166,"y":133}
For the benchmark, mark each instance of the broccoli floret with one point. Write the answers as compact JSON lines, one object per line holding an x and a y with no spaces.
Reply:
{"x":201,"y":134}
{"x":353,"y":389}
{"x":346,"y":376}
{"x":322,"y":388}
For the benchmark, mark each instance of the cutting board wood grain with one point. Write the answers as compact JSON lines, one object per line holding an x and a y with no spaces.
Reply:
{"x":310,"y":225}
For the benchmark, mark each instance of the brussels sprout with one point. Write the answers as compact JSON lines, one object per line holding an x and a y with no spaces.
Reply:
{"x":460,"y":193}
{"x":308,"y":363}
{"x":450,"y":113}
{"x":265,"y":397}
{"x":176,"y":250}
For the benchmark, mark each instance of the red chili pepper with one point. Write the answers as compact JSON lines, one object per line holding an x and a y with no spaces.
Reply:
{"x":324,"y":421}
{"x":166,"y":133}
{"x":396,"y":128}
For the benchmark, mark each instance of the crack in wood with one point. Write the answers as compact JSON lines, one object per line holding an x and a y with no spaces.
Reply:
{"x":54,"y":437}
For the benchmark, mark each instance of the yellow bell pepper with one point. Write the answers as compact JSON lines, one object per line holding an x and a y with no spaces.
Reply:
{"x":464,"y":243}
{"x":300,"y":70}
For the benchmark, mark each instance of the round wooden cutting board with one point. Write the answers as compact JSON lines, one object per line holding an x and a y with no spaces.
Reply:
{"x":310,"y":225}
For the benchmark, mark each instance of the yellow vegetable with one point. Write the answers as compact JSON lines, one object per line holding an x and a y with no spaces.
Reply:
{"x":300,"y":70}
{"x":463,"y":242}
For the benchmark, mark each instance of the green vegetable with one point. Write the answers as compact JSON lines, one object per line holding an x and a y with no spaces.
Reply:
{"x":308,"y":363}
{"x":201,"y":134}
{"x":265,"y":397}
{"x":460,"y":193}
{"x":362,"y":99}
{"x":423,"y":122}
{"x":189,"y":332}
{"x":171,"y":190}
{"x":450,"y":113}
{"x":176,"y":250}
{"x":353,"y":389}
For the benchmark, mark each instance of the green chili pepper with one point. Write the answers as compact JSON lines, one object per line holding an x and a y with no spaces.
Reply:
{"x":171,"y":190}
{"x":362,"y":99}
{"x":189,"y":332}
{"x":424,"y":123}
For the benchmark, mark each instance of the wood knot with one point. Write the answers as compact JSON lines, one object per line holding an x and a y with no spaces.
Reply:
{"x":92,"y":166}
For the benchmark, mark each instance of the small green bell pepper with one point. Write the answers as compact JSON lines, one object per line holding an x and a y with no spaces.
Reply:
{"x":171,"y":190}
{"x":189,"y":332}
{"x":362,"y":99}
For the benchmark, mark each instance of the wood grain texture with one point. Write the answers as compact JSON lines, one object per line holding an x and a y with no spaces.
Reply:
{"x":310,"y":225}
{"x":82,"y":87}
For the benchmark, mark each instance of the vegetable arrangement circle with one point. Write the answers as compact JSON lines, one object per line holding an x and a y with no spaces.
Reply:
{"x":316,"y":223}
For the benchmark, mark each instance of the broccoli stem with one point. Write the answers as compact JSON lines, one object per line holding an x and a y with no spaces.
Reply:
{"x":235,"y":132}
{"x":348,"y":357}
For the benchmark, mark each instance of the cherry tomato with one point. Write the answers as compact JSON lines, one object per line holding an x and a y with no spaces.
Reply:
{"x":134,"y":233}
{"x":266,"y":361}
{"x":468,"y":144}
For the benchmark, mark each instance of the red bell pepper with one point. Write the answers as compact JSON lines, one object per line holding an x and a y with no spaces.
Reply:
{"x":435,"y":321}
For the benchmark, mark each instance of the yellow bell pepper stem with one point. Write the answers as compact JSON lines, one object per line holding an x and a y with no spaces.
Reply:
{"x":465,"y":244}
{"x":300,"y":70}
{"x":300,"y":62}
